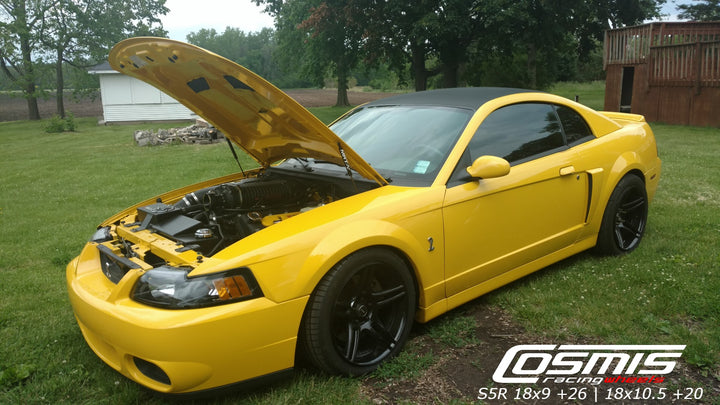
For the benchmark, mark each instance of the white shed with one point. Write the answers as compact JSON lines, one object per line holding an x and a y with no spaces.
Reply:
{"x":126,"y":99}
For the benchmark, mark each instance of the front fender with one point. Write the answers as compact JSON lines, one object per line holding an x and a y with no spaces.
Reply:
{"x":291,"y":257}
{"x":426,"y":264}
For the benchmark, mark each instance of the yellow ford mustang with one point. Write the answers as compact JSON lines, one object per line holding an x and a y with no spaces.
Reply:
{"x":403,"y":209}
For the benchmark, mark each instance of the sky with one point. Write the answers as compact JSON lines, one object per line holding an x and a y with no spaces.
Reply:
{"x":671,"y":8}
{"x":186,"y":16}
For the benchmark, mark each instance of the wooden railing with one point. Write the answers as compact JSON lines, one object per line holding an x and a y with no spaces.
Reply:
{"x":628,"y":45}
{"x":632,"y":45}
{"x":696,"y":64}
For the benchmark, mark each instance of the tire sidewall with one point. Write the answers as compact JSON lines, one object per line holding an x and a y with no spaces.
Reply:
{"x":606,"y":242}
{"x":316,"y":334}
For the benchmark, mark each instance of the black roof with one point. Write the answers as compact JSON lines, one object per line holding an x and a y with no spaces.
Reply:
{"x":462,"y":97}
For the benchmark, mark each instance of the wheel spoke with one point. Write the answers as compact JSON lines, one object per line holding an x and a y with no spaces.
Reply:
{"x":634,"y":204}
{"x":363,"y":280}
{"x":353,"y":341}
{"x":385,"y":297}
{"x":625,"y":217}
{"x":619,"y":237}
{"x":380,"y":332}
{"x":623,"y":227}
{"x":364,"y":309}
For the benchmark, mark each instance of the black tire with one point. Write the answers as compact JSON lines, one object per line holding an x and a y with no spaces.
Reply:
{"x":360,"y":314}
{"x":625,"y":217}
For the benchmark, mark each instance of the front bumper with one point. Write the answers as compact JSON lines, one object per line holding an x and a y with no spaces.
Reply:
{"x":180,"y":351}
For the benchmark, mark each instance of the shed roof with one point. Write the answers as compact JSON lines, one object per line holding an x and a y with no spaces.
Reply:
{"x":102,"y":68}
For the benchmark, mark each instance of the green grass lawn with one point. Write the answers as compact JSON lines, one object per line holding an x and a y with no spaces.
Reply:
{"x":665,"y":292}
{"x":55,"y":188}
{"x":591,"y":94}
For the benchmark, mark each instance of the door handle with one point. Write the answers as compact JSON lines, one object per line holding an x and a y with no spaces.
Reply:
{"x":567,"y":170}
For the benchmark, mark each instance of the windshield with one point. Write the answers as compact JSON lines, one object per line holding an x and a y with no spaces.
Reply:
{"x":408,"y":144}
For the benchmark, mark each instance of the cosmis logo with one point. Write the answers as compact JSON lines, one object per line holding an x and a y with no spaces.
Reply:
{"x":529,"y":364}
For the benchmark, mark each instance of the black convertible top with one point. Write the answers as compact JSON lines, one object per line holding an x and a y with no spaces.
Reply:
{"x":462,"y":97}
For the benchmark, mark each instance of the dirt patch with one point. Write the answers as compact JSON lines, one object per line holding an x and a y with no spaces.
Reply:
{"x":458,"y":373}
{"x":15,"y":108}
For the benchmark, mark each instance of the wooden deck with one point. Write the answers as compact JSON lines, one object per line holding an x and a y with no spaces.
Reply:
{"x":669,"y":72}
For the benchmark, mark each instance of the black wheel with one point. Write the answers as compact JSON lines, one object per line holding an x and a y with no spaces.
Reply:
{"x":360,"y":313}
{"x":625,"y":217}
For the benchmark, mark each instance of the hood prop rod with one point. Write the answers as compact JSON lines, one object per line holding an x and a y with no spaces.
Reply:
{"x":347,"y":165}
{"x":232,"y":149}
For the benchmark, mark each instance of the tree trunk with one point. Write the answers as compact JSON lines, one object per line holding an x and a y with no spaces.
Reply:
{"x":532,"y":65}
{"x":342,"y":83}
{"x":450,"y":75}
{"x":28,"y":74}
{"x":420,"y":74}
{"x":33,"y":110}
{"x":60,"y":84}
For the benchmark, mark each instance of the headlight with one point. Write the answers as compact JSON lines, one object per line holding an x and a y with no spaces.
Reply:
{"x":101,"y":235}
{"x":170,"y":287}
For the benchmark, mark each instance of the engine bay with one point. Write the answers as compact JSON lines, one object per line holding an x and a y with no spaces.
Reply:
{"x":210,"y":219}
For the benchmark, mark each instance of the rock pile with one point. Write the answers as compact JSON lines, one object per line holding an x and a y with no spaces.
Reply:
{"x":199,"y":133}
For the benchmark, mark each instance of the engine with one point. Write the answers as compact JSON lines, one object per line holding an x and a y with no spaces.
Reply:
{"x":211,"y":219}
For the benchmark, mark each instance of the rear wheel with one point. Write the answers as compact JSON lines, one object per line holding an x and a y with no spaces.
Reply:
{"x":360,"y":313}
{"x":625,"y":217}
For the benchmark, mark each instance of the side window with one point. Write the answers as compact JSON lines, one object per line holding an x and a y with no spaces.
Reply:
{"x":518,"y":132}
{"x":575,"y":127}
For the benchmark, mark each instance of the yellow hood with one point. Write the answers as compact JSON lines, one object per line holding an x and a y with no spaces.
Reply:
{"x":257,"y":116}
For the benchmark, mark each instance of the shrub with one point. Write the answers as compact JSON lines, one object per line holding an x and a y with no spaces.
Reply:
{"x":58,"y":124}
{"x":54,"y":125}
{"x":70,"y":124}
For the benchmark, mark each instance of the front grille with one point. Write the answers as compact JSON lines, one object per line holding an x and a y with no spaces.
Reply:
{"x":113,"y":266}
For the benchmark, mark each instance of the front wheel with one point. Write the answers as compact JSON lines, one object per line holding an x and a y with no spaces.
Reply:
{"x":625,"y":217}
{"x":360,"y":313}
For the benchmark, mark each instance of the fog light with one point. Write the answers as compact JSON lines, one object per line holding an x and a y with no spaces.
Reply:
{"x":151,"y":370}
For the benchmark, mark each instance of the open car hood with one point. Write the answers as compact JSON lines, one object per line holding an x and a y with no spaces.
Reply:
{"x":257,"y":116}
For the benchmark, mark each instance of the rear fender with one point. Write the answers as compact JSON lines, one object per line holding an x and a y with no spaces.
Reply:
{"x":628,"y":162}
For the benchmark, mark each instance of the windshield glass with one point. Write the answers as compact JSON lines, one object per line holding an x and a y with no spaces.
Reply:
{"x":409,"y":144}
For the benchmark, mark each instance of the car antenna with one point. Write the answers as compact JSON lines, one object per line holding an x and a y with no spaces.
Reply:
{"x":232,"y":149}
{"x":347,"y":164}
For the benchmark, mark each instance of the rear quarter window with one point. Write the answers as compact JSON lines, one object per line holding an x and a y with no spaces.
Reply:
{"x":576,"y":129}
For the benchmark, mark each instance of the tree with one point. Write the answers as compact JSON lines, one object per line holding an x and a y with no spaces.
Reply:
{"x":543,"y":35}
{"x":334,"y":42}
{"x":19,"y":20}
{"x":253,"y":50}
{"x":413,"y":32}
{"x":535,"y":41}
{"x":327,"y":34}
{"x":452,"y":26}
{"x":81,"y":32}
{"x":397,"y":32}
{"x":707,"y":10}
{"x":74,"y":32}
